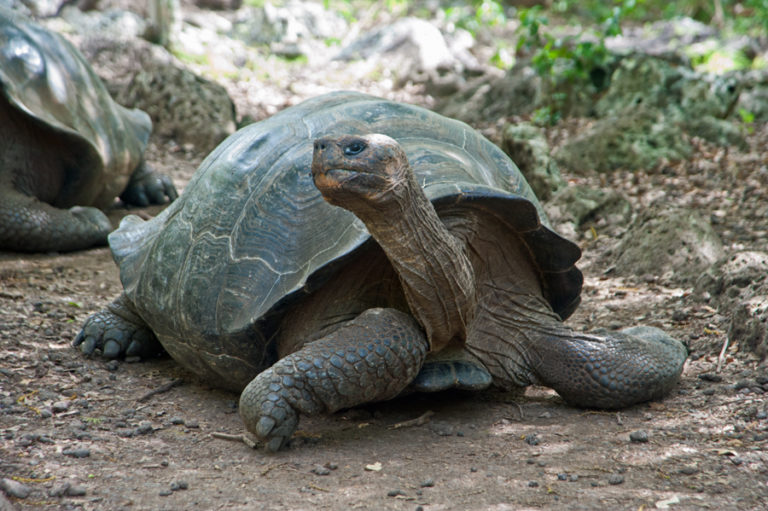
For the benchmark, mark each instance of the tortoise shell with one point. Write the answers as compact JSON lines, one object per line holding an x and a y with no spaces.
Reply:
{"x":46,"y":78}
{"x":251,"y":234}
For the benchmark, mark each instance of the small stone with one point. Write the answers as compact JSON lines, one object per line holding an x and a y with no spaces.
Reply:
{"x":689,"y":470}
{"x":736,"y":460}
{"x":320,"y":470}
{"x":640,"y":436}
{"x":46,"y":412}
{"x":615,"y":479}
{"x":59,"y":490}
{"x":427,"y":483}
{"x":165,"y":493}
{"x":716,"y":378}
{"x":562,"y":477}
{"x":473,"y":469}
{"x":179,"y":485}
{"x":145,"y":427}
{"x":708,"y":392}
{"x":574,"y":478}
{"x":395,"y":493}
{"x":76,"y":491}
{"x":531,"y":439}
{"x":761,"y":415}
{"x":77,"y":453}
{"x":15,"y":488}
{"x":679,"y":315}
{"x":192,"y":424}
{"x":177,"y":421}
{"x":60,"y":406}
{"x":533,"y":484}
{"x":331,"y":466}
{"x":742,"y":384}
{"x":113,"y":365}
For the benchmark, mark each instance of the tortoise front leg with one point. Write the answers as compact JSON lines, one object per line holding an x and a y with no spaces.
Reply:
{"x":30,"y":225}
{"x":117,"y":330}
{"x":147,"y":187}
{"x":370,"y":358}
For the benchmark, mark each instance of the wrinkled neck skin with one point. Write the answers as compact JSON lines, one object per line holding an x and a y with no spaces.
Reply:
{"x":436,"y":274}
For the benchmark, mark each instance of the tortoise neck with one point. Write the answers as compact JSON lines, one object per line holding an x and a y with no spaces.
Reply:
{"x":436,"y":274}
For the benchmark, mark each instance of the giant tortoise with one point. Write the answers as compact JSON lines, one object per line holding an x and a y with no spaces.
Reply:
{"x":66,"y":148}
{"x":352,"y":248}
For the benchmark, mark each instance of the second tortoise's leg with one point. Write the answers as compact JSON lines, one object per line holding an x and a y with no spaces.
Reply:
{"x":147,"y":186}
{"x":30,"y":225}
{"x":117,"y":330}
{"x":370,"y":358}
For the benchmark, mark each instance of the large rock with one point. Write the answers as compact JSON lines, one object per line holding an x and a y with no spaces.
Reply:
{"x":577,"y":208}
{"x":292,"y":22}
{"x":418,"y":51}
{"x":528,"y":148}
{"x":665,"y":241}
{"x":738,"y":285}
{"x":638,"y":137}
{"x":183,"y":106}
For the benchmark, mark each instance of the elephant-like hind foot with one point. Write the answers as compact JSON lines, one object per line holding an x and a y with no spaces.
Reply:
{"x":117,"y":331}
{"x":370,"y":358}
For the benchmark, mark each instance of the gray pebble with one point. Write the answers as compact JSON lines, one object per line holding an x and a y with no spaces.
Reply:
{"x":46,"y":413}
{"x":395,"y":493}
{"x":165,"y":493}
{"x":332,"y":466}
{"x":15,"y":488}
{"x":179,"y":485}
{"x":708,"y":392}
{"x":112,"y":365}
{"x":533,"y":484}
{"x":59,"y":490}
{"x":639,"y":436}
{"x":61,"y":406}
{"x":427,"y":483}
{"x":615,"y":479}
{"x":177,"y":420}
{"x":76,"y":491}
{"x":562,"y":477}
{"x":145,"y":427}
{"x":192,"y":424}
{"x":711,"y":377}
{"x":320,"y":470}
{"x":77,"y":453}
{"x":574,"y":478}
{"x":689,"y":470}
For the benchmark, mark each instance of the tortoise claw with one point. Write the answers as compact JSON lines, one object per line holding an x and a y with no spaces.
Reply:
{"x":116,"y":332}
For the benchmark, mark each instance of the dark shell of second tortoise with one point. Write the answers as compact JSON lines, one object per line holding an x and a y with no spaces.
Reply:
{"x":43,"y":76}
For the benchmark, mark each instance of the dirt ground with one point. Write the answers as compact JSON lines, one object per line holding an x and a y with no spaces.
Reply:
{"x":84,"y":433}
{"x":87,"y":434}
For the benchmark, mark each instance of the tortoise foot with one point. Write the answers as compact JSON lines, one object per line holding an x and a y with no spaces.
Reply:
{"x":371,"y":358}
{"x":148,"y":187}
{"x":117,"y":332}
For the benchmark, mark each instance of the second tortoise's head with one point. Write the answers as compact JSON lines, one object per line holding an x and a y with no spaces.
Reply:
{"x":352,"y":170}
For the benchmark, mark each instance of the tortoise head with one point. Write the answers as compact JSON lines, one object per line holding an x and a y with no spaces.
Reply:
{"x":355,"y":169}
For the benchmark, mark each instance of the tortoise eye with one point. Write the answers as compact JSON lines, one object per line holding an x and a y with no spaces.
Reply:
{"x":354,"y":148}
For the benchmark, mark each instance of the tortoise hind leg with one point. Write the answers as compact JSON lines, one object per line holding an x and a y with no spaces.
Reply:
{"x":611,"y":370}
{"x":117,"y":330}
{"x":30,"y":225}
{"x":370,"y":358}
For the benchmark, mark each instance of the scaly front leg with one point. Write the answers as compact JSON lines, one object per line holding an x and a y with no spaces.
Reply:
{"x":371,"y":358}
